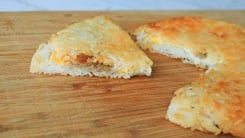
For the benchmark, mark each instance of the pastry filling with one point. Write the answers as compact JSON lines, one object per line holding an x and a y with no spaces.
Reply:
{"x":97,"y":63}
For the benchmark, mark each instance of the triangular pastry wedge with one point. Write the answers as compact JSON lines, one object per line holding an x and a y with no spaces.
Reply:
{"x":215,"y":102}
{"x":94,"y":47}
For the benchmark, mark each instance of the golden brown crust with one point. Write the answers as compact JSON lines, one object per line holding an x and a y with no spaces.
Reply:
{"x":219,"y":95}
{"x":97,"y":41}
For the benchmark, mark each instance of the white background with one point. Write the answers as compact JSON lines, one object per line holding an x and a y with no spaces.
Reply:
{"x":59,"y":5}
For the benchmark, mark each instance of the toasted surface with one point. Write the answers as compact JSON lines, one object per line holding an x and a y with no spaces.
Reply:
{"x":215,"y":102}
{"x":96,"y":46}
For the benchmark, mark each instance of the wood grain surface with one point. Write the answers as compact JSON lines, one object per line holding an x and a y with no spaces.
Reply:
{"x":33,"y":105}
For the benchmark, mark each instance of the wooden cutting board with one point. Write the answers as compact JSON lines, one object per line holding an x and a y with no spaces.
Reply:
{"x":33,"y":105}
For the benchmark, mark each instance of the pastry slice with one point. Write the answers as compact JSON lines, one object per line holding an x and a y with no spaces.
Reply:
{"x":215,"y":102}
{"x":94,"y":47}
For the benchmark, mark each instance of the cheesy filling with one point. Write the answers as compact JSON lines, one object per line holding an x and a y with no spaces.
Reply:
{"x":66,"y":59}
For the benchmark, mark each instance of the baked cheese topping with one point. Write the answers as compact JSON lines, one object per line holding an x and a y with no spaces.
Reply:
{"x":91,"y":46}
{"x":216,"y":101}
{"x":103,"y":39}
